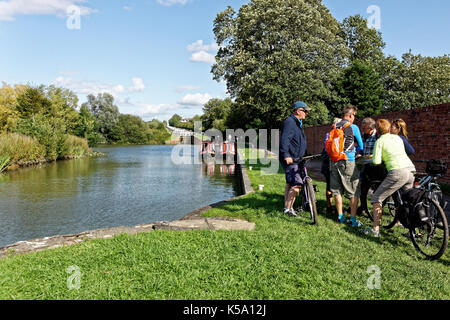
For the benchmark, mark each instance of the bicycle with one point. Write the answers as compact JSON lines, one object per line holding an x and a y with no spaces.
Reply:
{"x":308,"y":192}
{"x":430,"y":236}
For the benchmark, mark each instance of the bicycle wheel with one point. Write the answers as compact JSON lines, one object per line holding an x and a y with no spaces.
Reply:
{"x":388,"y":219}
{"x":431,"y":239}
{"x":311,"y":200}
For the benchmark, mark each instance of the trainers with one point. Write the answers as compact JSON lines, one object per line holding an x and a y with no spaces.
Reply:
{"x":370,"y":232}
{"x":290,"y":212}
{"x":355,"y":223}
{"x":342,"y":220}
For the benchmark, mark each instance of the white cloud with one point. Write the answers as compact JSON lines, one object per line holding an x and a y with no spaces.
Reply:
{"x":138,"y":85}
{"x":172,"y":2}
{"x":202,"y":56}
{"x":9,"y":9}
{"x":201,"y":52}
{"x":199,"y":46}
{"x":127,"y":8}
{"x":181,"y":89}
{"x":88,"y":87}
{"x":196,"y":99}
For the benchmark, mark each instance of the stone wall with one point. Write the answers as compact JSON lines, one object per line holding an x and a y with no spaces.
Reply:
{"x":428,"y":129}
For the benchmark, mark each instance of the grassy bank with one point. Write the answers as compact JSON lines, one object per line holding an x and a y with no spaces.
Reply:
{"x":22,"y":150}
{"x":283,"y":258}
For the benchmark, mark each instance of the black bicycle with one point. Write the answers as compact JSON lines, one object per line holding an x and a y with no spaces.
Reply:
{"x":429,"y":235}
{"x":308,"y":193}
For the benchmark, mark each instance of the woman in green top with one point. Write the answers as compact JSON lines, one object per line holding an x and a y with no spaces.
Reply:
{"x":389,"y":149}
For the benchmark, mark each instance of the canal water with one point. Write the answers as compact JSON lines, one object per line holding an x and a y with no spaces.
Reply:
{"x":128,"y":186}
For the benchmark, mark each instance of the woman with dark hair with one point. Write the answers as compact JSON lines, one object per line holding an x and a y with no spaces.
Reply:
{"x":399,"y":128}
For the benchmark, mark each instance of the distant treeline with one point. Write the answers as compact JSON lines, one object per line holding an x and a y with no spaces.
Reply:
{"x":43,"y":123}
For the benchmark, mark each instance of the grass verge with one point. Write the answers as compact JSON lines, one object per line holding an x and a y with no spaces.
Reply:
{"x":283,"y":258}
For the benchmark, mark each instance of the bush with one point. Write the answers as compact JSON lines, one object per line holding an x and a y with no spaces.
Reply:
{"x":20,"y":148}
{"x":74,"y":147}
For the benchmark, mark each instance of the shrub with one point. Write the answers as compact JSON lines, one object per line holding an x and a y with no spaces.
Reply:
{"x":74,"y":147}
{"x":20,"y":148}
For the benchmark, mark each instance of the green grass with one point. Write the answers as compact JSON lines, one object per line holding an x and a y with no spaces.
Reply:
{"x":283,"y":258}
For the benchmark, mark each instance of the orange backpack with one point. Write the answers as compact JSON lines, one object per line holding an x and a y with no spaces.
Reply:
{"x":334,"y":145}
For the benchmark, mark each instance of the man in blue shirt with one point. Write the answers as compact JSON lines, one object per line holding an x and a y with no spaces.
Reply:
{"x":345,"y":175}
{"x":293,"y":146}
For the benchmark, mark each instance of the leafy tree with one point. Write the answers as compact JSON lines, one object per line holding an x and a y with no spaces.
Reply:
{"x":32,"y":102}
{"x":130,"y":130}
{"x":8,"y":101}
{"x":175,"y":120}
{"x":366,"y":44}
{"x":416,"y":81}
{"x":64,"y":103}
{"x":361,"y":86}
{"x":275,"y":52}
{"x":87,"y":127}
{"x":216,"y":110}
{"x":104,"y":110}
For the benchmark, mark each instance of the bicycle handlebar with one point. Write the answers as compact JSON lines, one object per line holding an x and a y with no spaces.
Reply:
{"x":297,"y":160}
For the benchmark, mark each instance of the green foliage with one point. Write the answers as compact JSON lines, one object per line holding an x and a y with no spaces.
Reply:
{"x":175,"y":120}
{"x":105,"y":112}
{"x":20,"y":148}
{"x":33,"y":102}
{"x":361,"y":87}
{"x":416,"y":81}
{"x":275,"y":52}
{"x":130,"y":130}
{"x":366,"y":44}
{"x":216,"y":112}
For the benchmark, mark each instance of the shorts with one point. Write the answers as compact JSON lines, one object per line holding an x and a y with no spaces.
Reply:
{"x":395,"y":180}
{"x":345,"y":179}
{"x":293,"y":173}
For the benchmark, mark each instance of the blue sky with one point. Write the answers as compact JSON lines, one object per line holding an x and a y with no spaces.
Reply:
{"x":155,"y":55}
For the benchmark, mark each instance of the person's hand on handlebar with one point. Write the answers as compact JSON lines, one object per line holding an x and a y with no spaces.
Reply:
{"x":289,"y":161}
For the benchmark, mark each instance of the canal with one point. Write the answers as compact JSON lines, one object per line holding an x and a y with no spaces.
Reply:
{"x":128,"y":186}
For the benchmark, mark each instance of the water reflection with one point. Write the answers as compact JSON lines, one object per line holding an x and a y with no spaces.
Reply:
{"x":129,"y":186}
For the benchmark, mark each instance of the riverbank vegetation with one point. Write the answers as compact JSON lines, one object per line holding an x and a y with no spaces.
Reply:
{"x":283,"y":258}
{"x":44,"y":123}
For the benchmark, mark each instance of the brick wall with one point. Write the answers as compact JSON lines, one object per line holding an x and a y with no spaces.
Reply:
{"x":428,"y":130}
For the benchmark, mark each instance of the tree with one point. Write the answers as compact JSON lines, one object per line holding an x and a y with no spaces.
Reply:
{"x":104,"y":110}
{"x":175,"y":120}
{"x":216,"y":110}
{"x":64,"y":103}
{"x":32,"y":102}
{"x":416,"y":81}
{"x":275,"y":52}
{"x":8,"y":102}
{"x":366,"y":44}
{"x":361,"y":86}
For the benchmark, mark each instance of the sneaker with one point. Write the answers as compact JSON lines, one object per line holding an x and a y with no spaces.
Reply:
{"x":355,"y":223}
{"x":290,"y":212}
{"x":342,"y":220}
{"x":370,"y":232}
{"x":293,"y":213}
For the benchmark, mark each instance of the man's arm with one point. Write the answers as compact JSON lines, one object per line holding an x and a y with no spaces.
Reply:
{"x":358,"y":138}
{"x":286,"y":137}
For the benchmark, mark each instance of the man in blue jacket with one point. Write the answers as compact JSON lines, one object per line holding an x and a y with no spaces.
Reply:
{"x":293,"y":146}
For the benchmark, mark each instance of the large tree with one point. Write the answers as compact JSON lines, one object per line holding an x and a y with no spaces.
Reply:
{"x":361,"y":86}
{"x":275,"y":52}
{"x":416,"y":81}
{"x":366,"y":44}
{"x":104,"y":110}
